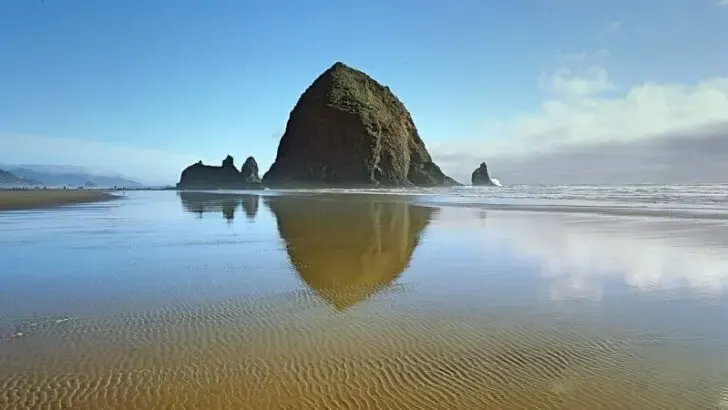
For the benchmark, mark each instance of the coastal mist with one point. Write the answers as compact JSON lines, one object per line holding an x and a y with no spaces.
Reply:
{"x":408,"y":299}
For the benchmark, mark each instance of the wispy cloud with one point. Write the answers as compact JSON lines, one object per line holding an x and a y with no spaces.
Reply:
{"x":151,"y":166}
{"x":722,"y":2}
{"x":611,"y":28}
{"x":568,"y":84}
{"x":583,"y":112}
{"x":614,"y":25}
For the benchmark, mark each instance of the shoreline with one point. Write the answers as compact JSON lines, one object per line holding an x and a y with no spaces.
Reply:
{"x":603,"y":210}
{"x":436,"y":201}
{"x":16,"y":200}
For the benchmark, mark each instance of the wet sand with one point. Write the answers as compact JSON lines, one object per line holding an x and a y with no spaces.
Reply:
{"x":360,"y":302}
{"x":29,"y":199}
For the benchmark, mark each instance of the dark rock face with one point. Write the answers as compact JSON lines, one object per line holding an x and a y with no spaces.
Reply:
{"x":228,"y":162}
{"x":480,"y":176}
{"x":347,"y":129}
{"x":249,"y":171}
{"x":347,"y":248}
{"x":200,"y":176}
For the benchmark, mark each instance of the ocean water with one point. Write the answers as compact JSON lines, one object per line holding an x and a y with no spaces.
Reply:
{"x":705,"y":195}
{"x":471,"y":298}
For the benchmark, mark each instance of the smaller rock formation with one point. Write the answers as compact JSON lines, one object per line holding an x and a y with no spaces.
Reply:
{"x":480,"y":176}
{"x":249,"y":171}
{"x":226,"y":176}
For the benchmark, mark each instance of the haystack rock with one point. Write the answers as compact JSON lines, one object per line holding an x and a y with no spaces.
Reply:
{"x":347,"y":129}
{"x":348,"y":251}
{"x":480,"y":176}
{"x":200,"y":176}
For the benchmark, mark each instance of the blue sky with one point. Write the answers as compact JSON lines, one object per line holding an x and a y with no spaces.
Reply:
{"x":142,"y":87}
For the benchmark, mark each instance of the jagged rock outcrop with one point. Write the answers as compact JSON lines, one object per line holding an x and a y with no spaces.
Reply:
{"x":480,"y":176}
{"x":200,"y":176}
{"x":249,"y":171}
{"x":347,"y":129}
{"x":349,"y":248}
{"x":228,"y":162}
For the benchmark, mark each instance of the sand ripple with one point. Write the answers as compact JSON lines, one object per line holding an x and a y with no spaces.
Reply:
{"x":293,"y":351}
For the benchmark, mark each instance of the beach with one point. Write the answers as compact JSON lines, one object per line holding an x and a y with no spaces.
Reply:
{"x":435,"y":299}
{"x":43,"y":198}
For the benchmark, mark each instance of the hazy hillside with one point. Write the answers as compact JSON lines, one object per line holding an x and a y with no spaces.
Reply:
{"x":52,"y":175}
{"x":10,"y":179}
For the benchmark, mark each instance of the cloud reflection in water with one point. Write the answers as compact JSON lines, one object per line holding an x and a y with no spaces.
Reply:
{"x":580,"y":254}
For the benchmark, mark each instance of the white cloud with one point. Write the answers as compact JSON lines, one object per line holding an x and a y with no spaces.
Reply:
{"x":583,"y":108}
{"x":722,"y":2}
{"x":151,"y":166}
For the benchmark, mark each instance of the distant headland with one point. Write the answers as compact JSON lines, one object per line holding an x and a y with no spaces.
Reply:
{"x":346,"y":130}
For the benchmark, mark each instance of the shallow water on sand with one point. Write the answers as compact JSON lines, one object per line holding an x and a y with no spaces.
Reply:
{"x":192,"y":300}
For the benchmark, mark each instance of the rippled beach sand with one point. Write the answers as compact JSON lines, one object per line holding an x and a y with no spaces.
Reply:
{"x":208,"y":301}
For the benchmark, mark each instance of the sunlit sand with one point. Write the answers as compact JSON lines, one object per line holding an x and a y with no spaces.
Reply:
{"x":43,"y":198}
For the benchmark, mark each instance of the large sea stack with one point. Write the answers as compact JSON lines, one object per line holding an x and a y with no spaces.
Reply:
{"x":480,"y":176}
{"x":349,"y":130}
{"x":226,"y":176}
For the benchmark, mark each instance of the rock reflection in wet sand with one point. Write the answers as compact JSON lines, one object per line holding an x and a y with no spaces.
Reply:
{"x":202,"y":202}
{"x":348,"y":251}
